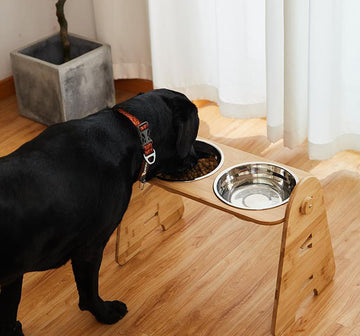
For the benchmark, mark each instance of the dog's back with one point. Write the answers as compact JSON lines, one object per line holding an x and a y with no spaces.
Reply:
{"x":50,"y":193}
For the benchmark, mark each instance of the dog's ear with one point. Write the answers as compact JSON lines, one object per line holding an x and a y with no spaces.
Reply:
{"x":187,"y":131}
{"x":186,"y":122}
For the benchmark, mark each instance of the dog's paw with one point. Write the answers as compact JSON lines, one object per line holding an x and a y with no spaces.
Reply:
{"x":107,"y":312}
{"x":14,"y":330}
{"x":112,"y":312}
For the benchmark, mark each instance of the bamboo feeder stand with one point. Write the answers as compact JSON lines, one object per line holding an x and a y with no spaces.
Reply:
{"x":306,"y":261}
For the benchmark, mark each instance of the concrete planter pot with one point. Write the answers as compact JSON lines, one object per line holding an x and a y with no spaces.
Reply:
{"x":50,"y":92}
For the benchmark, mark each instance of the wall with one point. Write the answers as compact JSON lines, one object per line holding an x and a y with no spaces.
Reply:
{"x":25,"y":21}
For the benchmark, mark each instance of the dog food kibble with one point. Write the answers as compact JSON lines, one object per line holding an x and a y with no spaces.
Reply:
{"x":204,"y":166}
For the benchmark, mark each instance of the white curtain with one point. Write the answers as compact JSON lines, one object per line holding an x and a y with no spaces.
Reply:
{"x":295,"y":61}
{"x":313,"y":74}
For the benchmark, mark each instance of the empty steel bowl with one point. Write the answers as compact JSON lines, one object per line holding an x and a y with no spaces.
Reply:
{"x":203,"y":149}
{"x":255,"y":185}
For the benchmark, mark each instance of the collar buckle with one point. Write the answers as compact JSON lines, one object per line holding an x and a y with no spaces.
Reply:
{"x":150,"y":158}
{"x":144,"y":133}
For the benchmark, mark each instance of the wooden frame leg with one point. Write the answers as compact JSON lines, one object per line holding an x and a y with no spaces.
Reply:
{"x":148,"y":208}
{"x":306,"y":258}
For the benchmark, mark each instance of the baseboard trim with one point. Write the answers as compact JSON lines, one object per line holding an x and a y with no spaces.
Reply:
{"x":7,"y":87}
{"x":134,"y":85}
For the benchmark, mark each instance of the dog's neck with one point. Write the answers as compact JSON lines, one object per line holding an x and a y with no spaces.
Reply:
{"x":149,"y":153}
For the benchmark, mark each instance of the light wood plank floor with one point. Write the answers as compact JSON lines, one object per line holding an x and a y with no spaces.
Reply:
{"x":211,"y":274}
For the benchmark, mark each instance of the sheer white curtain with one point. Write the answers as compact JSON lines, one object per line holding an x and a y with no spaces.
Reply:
{"x":313,"y":74}
{"x":295,"y":61}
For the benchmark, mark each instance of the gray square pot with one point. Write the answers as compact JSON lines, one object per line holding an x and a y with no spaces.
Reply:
{"x":50,"y":92}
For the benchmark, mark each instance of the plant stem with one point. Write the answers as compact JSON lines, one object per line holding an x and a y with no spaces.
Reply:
{"x":63,"y":29}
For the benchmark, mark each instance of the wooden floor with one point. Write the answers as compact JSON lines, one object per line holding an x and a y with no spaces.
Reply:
{"x":211,"y":274}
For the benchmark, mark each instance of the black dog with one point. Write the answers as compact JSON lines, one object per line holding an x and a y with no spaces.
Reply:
{"x":63,"y":193}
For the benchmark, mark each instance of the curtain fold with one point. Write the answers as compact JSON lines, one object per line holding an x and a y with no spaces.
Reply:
{"x":274,"y":31}
{"x":287,"y":70}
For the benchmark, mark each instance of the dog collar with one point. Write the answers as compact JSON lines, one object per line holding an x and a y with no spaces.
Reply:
{"x":149,"y":153}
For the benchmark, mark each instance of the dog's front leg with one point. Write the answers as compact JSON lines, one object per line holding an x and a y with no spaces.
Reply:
{"x":86,"y":272}
{"x":9,"y":301}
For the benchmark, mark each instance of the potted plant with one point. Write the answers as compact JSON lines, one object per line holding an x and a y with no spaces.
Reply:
{"x":63,"y":76}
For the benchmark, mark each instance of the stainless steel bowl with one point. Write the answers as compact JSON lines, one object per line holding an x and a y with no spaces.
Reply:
{"x":255,"y":185}
{"x":203,"y":148}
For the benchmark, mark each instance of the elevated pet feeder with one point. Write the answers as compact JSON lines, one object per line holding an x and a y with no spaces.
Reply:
{"x":306,"y":262}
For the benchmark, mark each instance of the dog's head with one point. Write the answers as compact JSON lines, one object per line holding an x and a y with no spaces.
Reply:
{"x":176,"y":148}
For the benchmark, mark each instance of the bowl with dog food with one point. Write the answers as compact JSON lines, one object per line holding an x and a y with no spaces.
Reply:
{"x":255,"y":185}
{"x":210,"y":160}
